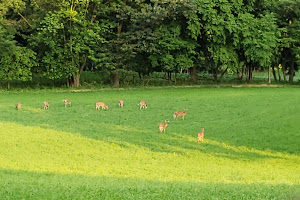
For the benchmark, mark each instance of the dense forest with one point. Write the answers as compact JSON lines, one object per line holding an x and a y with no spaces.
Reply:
{"x":59,"y":39}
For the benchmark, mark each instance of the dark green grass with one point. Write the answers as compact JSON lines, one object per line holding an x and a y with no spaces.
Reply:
{"x":32,"y":185}
{"x":250,"y":149}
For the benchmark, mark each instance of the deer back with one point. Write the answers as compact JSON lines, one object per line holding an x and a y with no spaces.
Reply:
{"x":181,"y":113}
{"x":143,"y":103}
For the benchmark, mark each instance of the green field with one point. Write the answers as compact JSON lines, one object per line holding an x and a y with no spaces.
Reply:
{"x":250,"y":150}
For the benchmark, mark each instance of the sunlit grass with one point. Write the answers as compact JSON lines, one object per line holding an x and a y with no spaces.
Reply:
{"x":251,"y":147}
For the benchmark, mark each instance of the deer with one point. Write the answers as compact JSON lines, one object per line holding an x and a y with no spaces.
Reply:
{"x":162,"y":126}
{"x":101,"y":104}
{"x":179,"y":114}
{"x":121,"y":103}
{"x":143,"y":104}
{"x":201,"y":135}
{"x":67,"y":102}
{"x":18,"y":106}
{"x":46,"y":105}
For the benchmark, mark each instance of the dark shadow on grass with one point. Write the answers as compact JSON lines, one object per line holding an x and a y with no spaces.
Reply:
{"x":33,"y":185}
{"x":126,"y":137}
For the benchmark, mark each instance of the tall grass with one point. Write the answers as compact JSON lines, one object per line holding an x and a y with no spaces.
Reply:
{"x":250,"y":149}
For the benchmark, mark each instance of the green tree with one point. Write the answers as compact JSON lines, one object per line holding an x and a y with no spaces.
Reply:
{"x":229,"y":34}
{"x":15,"y":61}
{"x":288,"y":19}
{"x":257,"y":40}
{"x":172,"y":51}
{"x":67,"y":39}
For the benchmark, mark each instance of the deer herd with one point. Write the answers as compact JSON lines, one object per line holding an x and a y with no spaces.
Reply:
{"x":142,"y":104}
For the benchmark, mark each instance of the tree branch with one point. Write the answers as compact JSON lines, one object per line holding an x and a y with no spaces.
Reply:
{"x":24,"y":19}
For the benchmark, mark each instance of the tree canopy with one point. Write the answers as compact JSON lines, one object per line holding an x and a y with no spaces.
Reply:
{"x":60,"y":39}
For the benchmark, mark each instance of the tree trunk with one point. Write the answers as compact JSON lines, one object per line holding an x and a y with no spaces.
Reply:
{"x":116,"y":80}
{"x":193,"y":74}
{"x":274,"y":74}
{"x":279,"y":77}
{"x":215,"y":74}
{"x":8,"y":85}
{"x":240,"y":75}
{"x":70,"y":82}
{"x":291,"y":73}
{"x":76,"y":80}
{"x":284,"y":72}
{"x":77,"y":77}
{"x":175,"y":78}
{"x":133,"y":79}
{"x":246,"y":72}
{"x":269,"y":75}
{"x":250,"y":75}
{"x":169,"y":77}
{"x":223,"y":73}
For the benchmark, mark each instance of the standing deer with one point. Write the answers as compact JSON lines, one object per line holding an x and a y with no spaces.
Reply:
{"x":121,"y":103}
{"x":67,"y":102}
{"x":162,"y":126}
{"x":46,"y":105}
{"x":18,"y":106}
{"x":143,"y":104}
{"x":101,"y":104}
{"x":179,"y":114}
{"x":201,"y":135}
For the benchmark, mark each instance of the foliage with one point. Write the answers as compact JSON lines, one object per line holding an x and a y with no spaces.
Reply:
{"x":67,"y":38}
{"x":172,"y":52}
{"x":16,"y":64}
{"x":288,"y":17}
{"x":258,"y":38}
{"x":142,"y":36}
{"x":15,"y":61}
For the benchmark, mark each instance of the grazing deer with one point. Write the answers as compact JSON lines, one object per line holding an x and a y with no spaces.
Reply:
{"x":101,"y":104}
{"x":46,"y":105}
{"x":67,"y":102}
{"x":143,"y":104}
{"x":179,"y":114}
{"x":121,"y":103}
{"x":201,"y":135}
{"x":18,"y":106}
{"x":162,"y":126}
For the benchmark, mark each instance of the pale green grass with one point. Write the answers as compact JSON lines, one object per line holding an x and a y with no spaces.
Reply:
{"x":250,"y":150}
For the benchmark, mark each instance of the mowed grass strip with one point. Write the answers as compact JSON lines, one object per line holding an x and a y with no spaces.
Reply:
{"x":249,"y":142}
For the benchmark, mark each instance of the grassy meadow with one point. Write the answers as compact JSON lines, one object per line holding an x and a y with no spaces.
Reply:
{"x":250,"y":151}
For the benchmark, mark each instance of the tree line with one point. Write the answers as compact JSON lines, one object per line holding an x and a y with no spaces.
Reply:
{"x":59,"y":39}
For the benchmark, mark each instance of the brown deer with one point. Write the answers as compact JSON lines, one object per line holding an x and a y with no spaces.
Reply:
{"x":67,"y":102}
{"x":201,"y":135}
{"x":179,"y":114}
{"x":143,"y":104}
{"x":162,"y":126}
{"x":101,"y":104}
{"x":18,"y":106}
{"x":121,"y":103}
{"x":46,"y":105}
